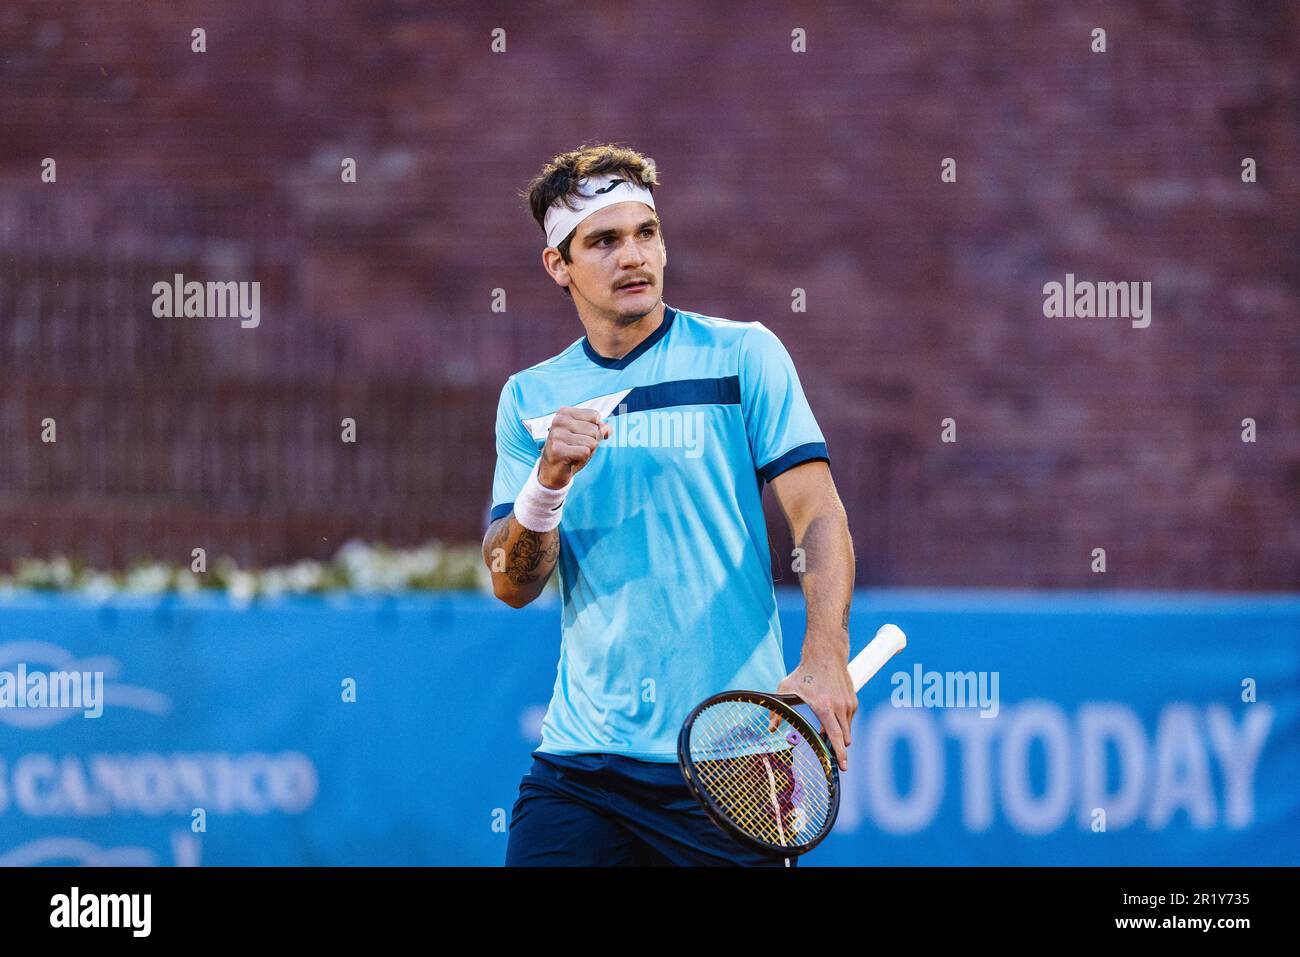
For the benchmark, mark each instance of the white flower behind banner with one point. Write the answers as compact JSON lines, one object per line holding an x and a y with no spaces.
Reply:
{"x":356,"y":567}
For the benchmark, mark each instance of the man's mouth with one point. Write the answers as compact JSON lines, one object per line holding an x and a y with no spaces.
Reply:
{"x":635,"y":286}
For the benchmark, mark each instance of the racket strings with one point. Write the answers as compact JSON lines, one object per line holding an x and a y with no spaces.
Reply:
{"x":761,"y":794}
{"x":752,"y":798}
{"x":773,"y":785}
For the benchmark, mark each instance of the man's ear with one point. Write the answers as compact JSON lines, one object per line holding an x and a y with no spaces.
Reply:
{"x":555,"y":265}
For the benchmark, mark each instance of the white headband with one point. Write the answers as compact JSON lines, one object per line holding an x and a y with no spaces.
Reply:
{"x":595,"y":193}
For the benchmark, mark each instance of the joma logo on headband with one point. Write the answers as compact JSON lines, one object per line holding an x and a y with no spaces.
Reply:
{"x":617,"y":182}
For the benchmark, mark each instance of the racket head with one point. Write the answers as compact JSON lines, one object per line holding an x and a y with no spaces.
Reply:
{"x":776,"y":792}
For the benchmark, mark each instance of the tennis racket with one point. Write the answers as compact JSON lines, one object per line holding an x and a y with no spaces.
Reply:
{"x":761,"y":771}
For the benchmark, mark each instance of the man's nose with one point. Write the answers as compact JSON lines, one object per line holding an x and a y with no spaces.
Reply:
{"x":630,"y":253}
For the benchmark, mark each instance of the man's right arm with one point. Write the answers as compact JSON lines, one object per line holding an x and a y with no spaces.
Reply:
{"x":520,"y":560}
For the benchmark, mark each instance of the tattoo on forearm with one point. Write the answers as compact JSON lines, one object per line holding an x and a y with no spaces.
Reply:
{"x":844,"y":622}
{"x":533,"y":552}
{"x":496,"y":541}
{"x":530,"y":558}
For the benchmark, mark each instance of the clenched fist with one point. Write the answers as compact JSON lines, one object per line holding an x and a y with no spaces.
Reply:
{"x":570,"y":443}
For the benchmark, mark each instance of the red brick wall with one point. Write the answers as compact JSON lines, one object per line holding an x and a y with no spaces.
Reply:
{"x":817,"y":171}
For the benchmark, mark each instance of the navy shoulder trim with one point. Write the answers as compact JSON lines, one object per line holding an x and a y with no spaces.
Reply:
{"x":809,"y":452}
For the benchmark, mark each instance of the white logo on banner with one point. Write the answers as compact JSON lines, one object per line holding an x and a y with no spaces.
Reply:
{"x":1197,"y":769}
{"x":72,"y":852}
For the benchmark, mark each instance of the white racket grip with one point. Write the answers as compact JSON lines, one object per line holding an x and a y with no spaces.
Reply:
{"x":888,"y":642}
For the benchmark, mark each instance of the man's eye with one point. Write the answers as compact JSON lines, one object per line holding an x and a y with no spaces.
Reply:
{"x":649,"y":230}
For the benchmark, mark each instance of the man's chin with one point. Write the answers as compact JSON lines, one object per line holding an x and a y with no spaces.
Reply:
{"x":636,"y":306}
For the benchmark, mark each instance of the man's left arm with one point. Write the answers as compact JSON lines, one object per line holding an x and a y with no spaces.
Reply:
{"x":820,"y":528}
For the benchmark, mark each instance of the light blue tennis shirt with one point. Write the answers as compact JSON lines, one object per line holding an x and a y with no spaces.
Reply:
{"x":664,"y":570}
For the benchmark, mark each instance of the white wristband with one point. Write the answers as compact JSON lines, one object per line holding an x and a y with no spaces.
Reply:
{"x":538,"y":508}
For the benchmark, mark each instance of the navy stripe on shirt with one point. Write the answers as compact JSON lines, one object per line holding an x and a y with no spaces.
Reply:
{"x":663,"y":395}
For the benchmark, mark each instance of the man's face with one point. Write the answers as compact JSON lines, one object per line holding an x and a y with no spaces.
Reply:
{"x":616,"y":246}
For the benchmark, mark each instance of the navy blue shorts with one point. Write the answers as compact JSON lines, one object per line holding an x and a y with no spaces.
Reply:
{"x":608,"y":810}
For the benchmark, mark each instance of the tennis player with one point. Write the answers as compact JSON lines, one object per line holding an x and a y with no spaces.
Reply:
{"x":632,"y":465}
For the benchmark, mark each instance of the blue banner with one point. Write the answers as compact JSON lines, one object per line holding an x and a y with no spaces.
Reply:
{"x":1034,"y":728}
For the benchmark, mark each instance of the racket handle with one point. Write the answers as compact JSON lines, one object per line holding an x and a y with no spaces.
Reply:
{"x":888,"y":642}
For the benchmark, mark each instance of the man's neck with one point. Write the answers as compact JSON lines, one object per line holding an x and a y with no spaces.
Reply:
{"x":613,"y":340}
